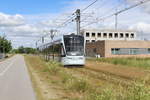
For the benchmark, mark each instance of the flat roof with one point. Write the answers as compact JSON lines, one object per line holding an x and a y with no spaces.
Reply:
{"x":109,"y":30}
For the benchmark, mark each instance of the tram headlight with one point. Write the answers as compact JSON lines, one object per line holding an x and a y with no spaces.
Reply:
{"x":69,"y":58}
{"x":80,"y":58}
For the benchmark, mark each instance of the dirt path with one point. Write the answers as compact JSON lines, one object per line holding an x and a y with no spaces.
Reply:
{"x":117,"y":70}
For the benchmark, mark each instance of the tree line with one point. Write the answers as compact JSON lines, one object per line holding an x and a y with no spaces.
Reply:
{"x":25,"y":50}
{"x":5,"y":45}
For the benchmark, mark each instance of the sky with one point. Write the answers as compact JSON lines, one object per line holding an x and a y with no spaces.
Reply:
{"x":23,"y":22}
{"x":31,"y":6}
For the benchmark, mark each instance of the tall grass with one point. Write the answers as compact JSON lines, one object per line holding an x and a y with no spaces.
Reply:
{"x":135,"y":62}
{"x":69,"y":81}
{"x":79,"y":85}
{"x":54,"y":67}
{"x":138,"y":91}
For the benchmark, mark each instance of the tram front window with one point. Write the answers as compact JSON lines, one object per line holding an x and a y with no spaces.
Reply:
{"x":74,"y":45}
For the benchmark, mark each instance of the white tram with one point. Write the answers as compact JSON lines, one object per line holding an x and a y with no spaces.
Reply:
{"x":69,"y":50}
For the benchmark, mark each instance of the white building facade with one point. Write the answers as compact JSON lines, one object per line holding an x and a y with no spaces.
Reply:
{"x":96,"y":35}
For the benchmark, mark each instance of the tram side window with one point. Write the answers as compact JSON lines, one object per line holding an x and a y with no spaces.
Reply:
{"x":62,"y":51}
{"x":57,"y":49}
{"x":51,"y":49}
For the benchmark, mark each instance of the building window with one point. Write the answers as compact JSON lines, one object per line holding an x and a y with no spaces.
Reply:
{"x":87,"y":34}
{"x":93,"y":34}
{"x":121,"y":35}
{"x":105,"y":35}
{"x":132,"y":35}
{"x":130,"y":51}
{"x":99,"y":35}
{"x":93,"y":40}
{"x":116,"y":35}
{"x":110,"y":35}
{"x":112,"y":51}
{"x":87,"y":41}
{"x":117,"y":51}
{"x":127,"y":35}
{"x":148,"y":50}
{"x":134,"y":51}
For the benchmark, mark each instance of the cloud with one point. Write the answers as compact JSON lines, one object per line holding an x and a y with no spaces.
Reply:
{"x":11,"y":20}
{"x":16,"y":27}
{"x":141,"y":27}
{"x":26,"y":29}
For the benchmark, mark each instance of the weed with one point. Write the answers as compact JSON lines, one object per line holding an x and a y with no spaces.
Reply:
{"x":53,"y":67}
{"x":79,"y":85}
{"x":65,"y":77}
{"x":106,"y":94}
{"x":138,"y":92}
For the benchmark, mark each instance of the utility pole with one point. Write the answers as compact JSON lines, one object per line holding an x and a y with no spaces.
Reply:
{"x":52,"y":34}
{"x":116,"y":21}
{"x":43,"y":39}
{"x":78,"y":15}
{"x":36,"y":44}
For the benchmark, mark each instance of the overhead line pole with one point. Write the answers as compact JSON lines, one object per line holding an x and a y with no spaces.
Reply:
{"x":116,"y":21}
{"x":78,"y":15}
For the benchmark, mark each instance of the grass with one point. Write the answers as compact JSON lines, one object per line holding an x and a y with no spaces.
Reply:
{"x":69,"y":81}
{"x":32,"y":63}
{"x":138,"y":91}
{"x":131,"y":62}
{"x":79,"y":88}
{"x":79,"y":85}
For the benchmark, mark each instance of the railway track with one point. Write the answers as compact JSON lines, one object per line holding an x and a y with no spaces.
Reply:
{"x":101,"y":74}
{"x":99,"y":77}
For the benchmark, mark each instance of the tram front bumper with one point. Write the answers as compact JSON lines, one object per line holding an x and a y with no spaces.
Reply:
{"x":73,"y":60}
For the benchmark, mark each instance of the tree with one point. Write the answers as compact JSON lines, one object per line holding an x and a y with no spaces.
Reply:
{"x":5,"y":45}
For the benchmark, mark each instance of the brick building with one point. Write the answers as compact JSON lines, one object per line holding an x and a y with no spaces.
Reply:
{"x":118,"y":48}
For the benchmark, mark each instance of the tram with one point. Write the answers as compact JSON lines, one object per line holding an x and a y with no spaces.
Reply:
{"x":69,"y":50}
